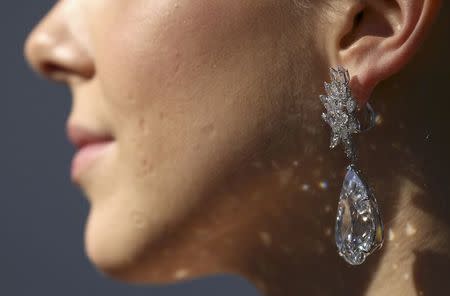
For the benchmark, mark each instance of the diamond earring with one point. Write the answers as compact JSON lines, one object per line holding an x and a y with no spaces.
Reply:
{"x":359,"y":228}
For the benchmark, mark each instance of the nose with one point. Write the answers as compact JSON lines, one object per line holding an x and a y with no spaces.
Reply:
{"x":57,"y":47}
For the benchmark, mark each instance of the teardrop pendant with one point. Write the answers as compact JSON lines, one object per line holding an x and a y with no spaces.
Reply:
{"x":359,"y":228}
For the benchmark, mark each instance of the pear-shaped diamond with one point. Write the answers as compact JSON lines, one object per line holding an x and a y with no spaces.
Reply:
{"x":359,"y":229}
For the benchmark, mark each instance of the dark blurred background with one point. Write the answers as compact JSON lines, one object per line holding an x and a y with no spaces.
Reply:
{"x":42,"y":214}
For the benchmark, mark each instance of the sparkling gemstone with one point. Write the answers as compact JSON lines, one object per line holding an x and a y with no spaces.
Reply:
{"x":340,"y":110}
{"x":359,"y":229}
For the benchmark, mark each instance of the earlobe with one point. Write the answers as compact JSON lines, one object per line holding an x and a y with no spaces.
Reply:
{"x":382,"y":38}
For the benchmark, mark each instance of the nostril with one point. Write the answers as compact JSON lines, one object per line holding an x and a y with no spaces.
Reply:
{"x":55,"y":47}
{"x":48,"y":68}
{"x":58,"y":56}
{"x":38,"y":52}
{"x":58,"y":60}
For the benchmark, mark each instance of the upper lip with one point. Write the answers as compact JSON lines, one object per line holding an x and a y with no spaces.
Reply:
{"x":80,"y":135}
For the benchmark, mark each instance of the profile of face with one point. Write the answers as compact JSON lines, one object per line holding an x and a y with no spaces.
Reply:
{"x":186,"y":89}
{"x":194,"y":98}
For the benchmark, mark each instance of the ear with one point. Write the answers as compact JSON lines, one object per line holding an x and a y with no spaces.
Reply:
{"x":374,"y":39}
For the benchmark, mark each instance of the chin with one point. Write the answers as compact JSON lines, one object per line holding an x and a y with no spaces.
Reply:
{"x":114,"y":246}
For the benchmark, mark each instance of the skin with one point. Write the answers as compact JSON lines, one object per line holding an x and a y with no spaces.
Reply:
{"x":220,"y":161}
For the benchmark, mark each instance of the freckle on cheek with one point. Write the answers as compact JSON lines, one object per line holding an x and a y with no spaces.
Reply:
{"x":138,"y":219}
{"x":143,"y":127}
{"x":146,"y":168}
{"x":209,"y":130}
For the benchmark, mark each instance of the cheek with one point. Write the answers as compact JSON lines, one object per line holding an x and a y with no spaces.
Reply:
{"x":148,"y":53}
{"x":185,"y":89}
{"x":185,"y":82}
{"x":179,"y":68}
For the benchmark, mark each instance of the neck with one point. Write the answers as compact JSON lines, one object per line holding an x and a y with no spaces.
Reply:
{"x":405,"y":160}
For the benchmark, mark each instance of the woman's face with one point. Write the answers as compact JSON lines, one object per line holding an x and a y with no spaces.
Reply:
{"x":189,"y":90}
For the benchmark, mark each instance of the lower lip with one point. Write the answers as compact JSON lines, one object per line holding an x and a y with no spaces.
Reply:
{"x":86,"y":156}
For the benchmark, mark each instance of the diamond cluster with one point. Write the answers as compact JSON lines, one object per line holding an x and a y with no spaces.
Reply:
{"x":341,"y":111}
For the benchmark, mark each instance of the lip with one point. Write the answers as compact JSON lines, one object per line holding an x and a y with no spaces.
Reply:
{"x":90,"y":146}
{"x":86,"y":156}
